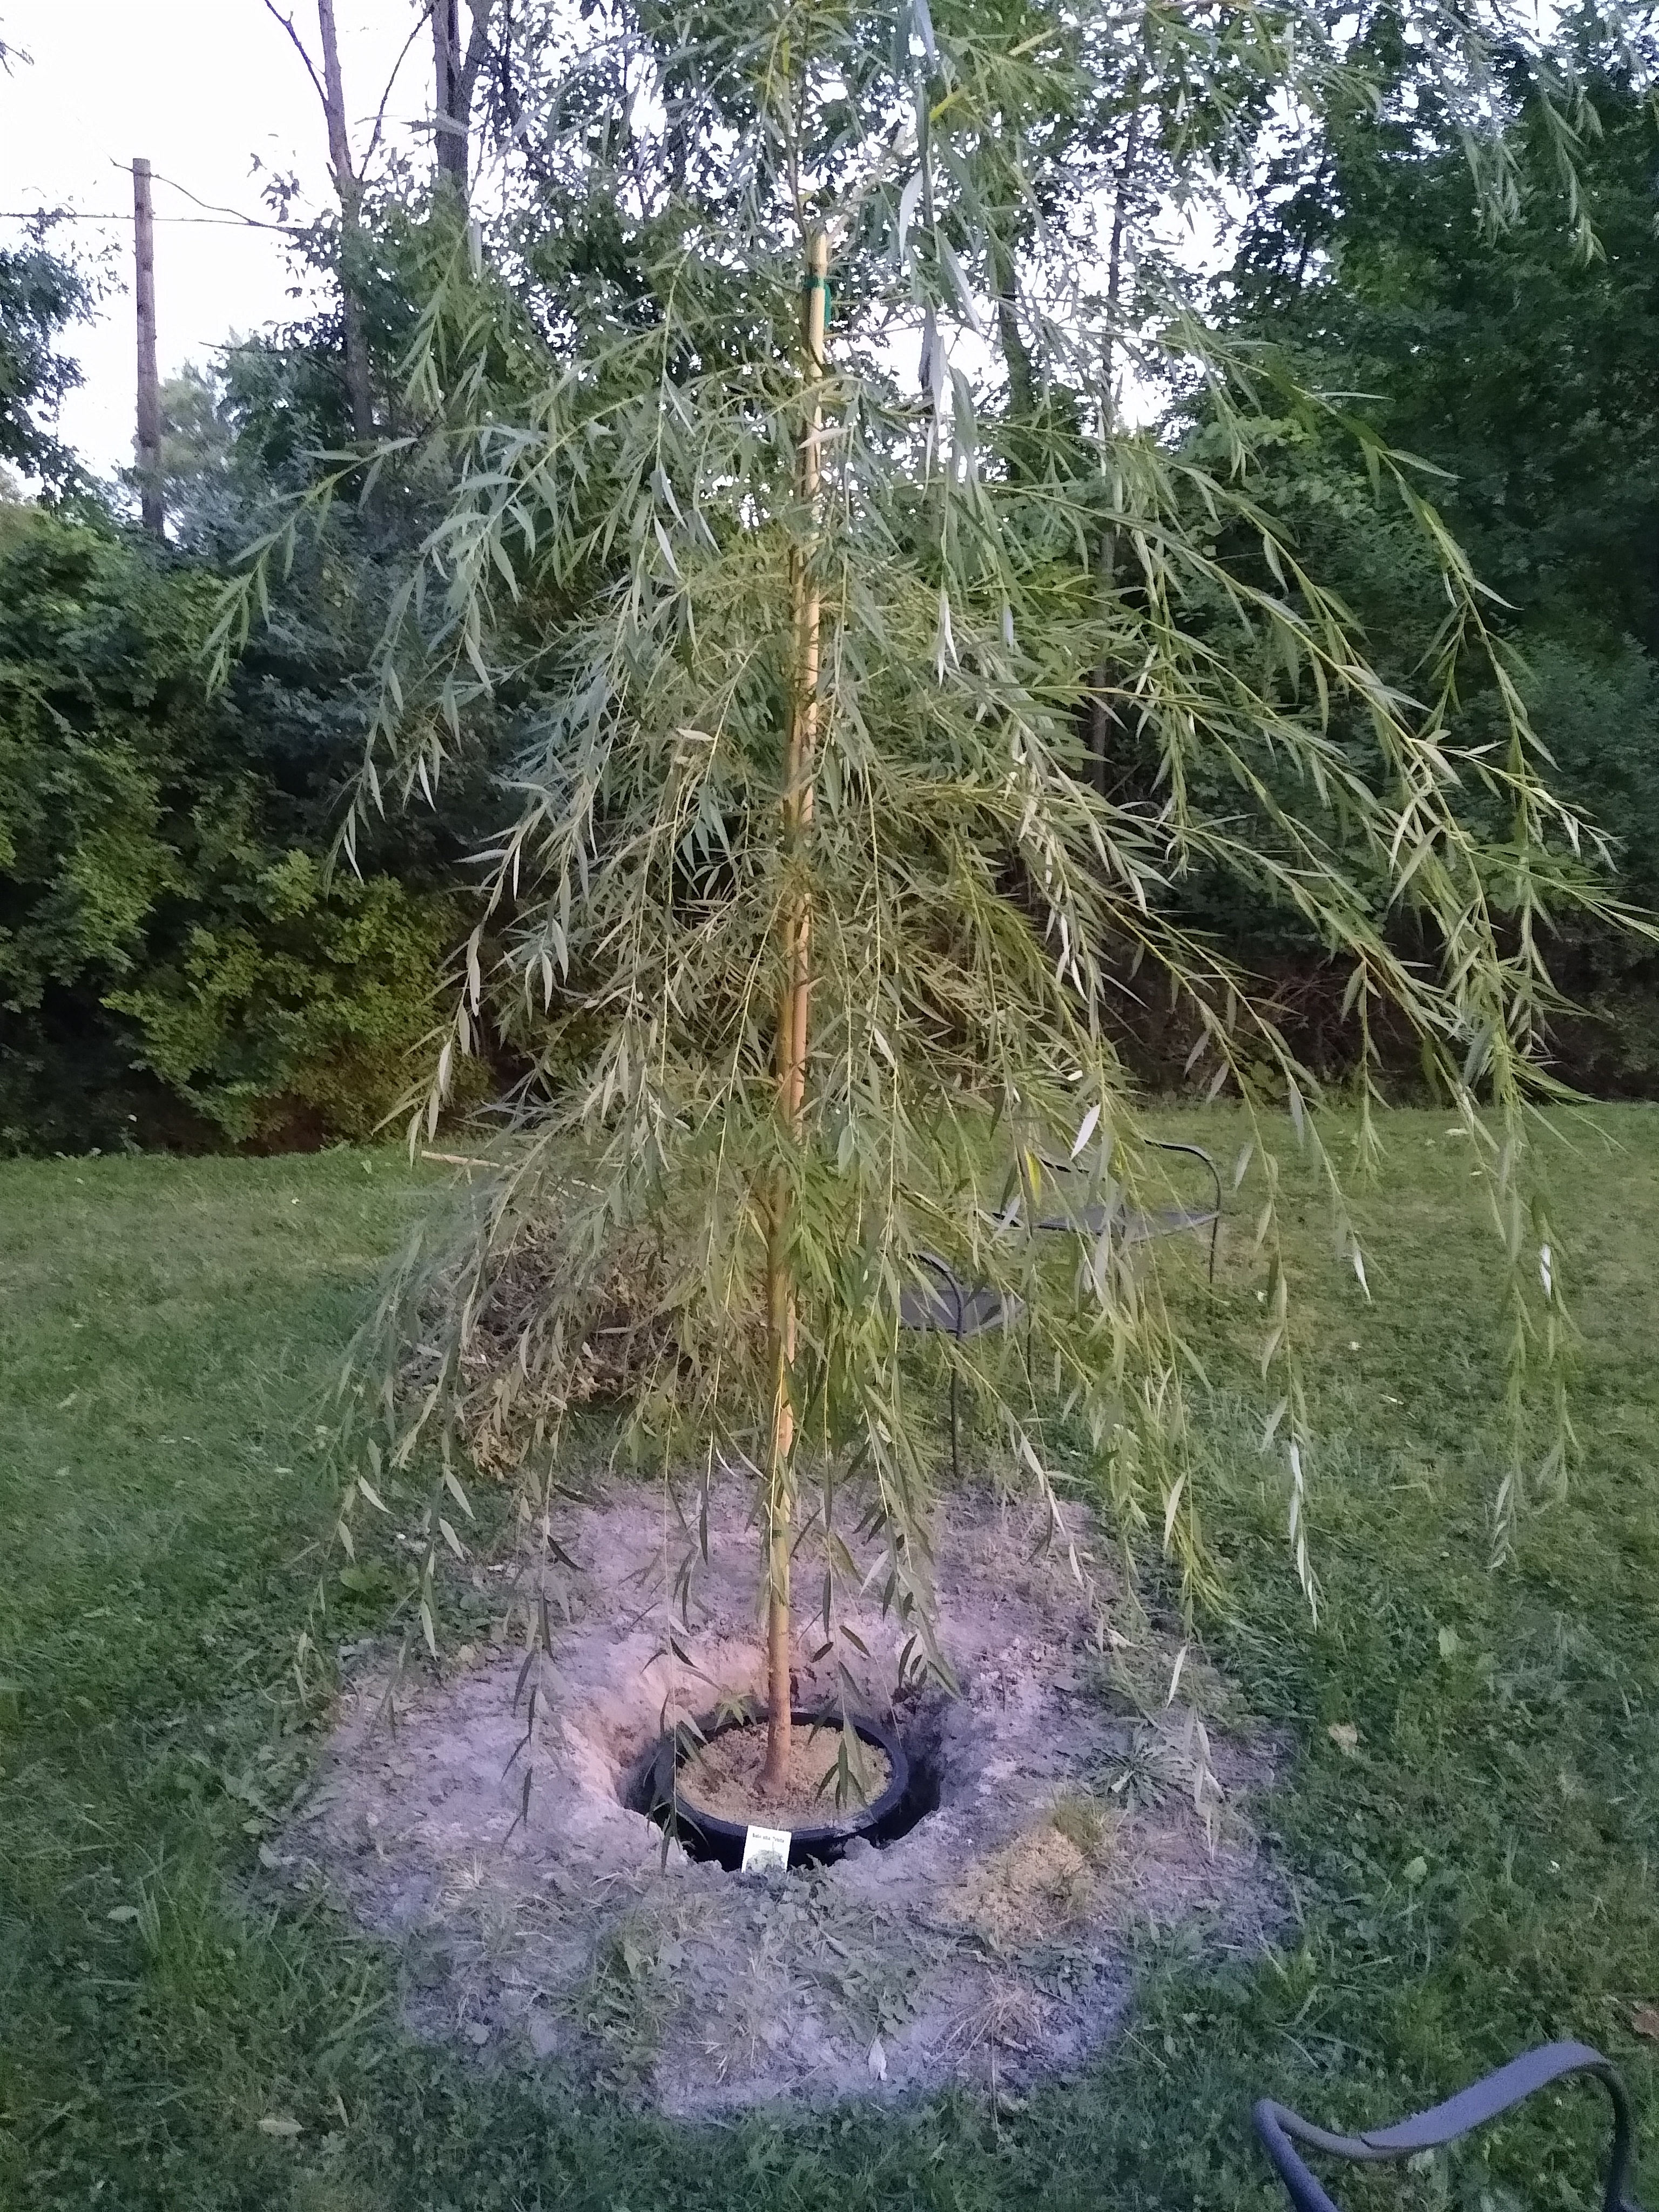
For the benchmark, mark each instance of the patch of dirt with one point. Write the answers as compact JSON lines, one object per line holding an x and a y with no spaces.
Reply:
{"x":724,"y":1778}
{"x":1031,"y":1888}
{"x":992,"y":1944}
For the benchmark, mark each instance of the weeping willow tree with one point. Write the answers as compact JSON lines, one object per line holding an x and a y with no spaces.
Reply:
{"x":879,"y":679}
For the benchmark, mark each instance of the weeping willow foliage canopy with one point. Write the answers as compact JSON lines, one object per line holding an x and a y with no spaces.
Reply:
{"x":879,"y":685}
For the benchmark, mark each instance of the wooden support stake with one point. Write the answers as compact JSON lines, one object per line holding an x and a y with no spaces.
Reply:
{"x":799,"y":760}
{"x":149,"y":388}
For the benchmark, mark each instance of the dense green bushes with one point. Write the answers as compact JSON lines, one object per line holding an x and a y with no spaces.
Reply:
{"x":174,"y":964}
{"x":40,"y":293}
{"x":1520,"y":371}
{"x":290,"y":1016}
{"x":177,"y":965}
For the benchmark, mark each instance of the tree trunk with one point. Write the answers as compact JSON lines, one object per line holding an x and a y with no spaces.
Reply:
{"x":347,"y":183}
{"x":1016,"y":358}
{"x":455,"y":77}
{"x":792,"y":1020}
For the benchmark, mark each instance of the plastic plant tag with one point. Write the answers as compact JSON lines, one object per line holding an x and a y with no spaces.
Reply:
{"x":764,"y":1849}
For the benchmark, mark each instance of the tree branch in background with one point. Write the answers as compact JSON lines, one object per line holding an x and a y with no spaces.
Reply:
{"x":511,"y":105}
{"x":1104,"y":721}
{"x":1003,"y":270}
{"x":299,"y":46}
{"x":330,"y":91}
{"x":378,"y":133}
{"x":456,"y":80}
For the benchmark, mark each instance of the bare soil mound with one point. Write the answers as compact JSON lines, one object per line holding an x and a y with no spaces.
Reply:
{"x":990,"y":1944}
{"x":724,"y":1778}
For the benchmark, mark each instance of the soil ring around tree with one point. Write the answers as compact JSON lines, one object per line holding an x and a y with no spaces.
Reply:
{"x":1069,"y":1814}
{"x":709,"y":1805}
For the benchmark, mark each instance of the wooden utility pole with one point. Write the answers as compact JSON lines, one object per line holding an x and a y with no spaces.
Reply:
{"x":799,"y":763}
{"x":149,"y":386}
{"x":349,"y":187}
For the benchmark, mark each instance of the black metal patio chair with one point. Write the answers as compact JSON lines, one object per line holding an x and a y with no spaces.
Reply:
{"x":1136,"y":1224}
{"x":961,"y":1310}
{"x":1280,"y":2130}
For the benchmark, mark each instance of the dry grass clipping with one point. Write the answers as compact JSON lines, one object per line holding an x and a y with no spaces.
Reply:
{"x":1021,"y":1894}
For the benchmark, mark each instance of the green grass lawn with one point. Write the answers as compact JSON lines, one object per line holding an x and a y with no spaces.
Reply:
{"x":1476,"y":1874}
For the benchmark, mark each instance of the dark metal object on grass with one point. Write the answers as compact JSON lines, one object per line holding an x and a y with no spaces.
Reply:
{"x":1280,"y":2129}
{"x":1136,"y":1224}
{"x":961,"y":1311}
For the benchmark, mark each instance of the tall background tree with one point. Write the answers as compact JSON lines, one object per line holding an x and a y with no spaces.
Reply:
{"x":42,"y":293}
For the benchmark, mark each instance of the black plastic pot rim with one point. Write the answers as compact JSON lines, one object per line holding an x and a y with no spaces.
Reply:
{"x":724,"y":1840}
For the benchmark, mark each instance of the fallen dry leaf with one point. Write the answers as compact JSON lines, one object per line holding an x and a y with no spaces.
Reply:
{"x":1345,"y":1736}
{"x":1644,"y":2021}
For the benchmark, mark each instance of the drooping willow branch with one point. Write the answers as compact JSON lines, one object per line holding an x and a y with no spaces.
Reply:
{"x":801,"y":763}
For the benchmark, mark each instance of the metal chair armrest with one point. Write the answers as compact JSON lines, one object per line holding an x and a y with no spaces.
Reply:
{"x":1193,"y":1152}
{"x":953,"y":1284}
{"x":1158,"y":1145}
{"x":1279,"y":2129}
{"x":1197,"y":1153}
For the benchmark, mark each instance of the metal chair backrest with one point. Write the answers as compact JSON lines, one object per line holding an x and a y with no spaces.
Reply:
{"x":961,"y":1310}
{"x":1280,"y":2130}
{"x":1138,"y":1224}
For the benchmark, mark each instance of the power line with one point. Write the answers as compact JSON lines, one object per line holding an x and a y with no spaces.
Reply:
{"x":217,"y":208}
{"x":217,"y":214}
{"x":213,"y":221}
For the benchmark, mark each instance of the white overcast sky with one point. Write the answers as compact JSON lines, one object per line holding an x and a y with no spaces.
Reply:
{"x":200,"y":87}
